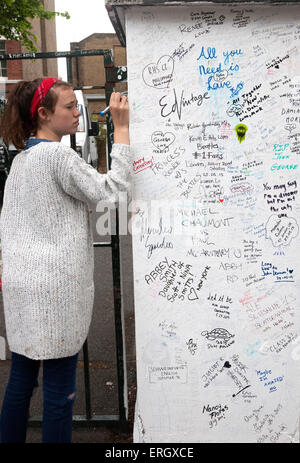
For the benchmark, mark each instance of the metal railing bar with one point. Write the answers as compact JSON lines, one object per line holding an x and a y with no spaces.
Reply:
{"x":87,"y":380}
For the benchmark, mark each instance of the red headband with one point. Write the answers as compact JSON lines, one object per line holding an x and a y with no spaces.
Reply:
{"x":40,"y":94}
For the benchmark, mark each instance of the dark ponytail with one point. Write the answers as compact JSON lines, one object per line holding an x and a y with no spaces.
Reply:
{"x":16,"y":125}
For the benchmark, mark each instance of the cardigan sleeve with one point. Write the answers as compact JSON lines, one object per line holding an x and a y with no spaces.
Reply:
{"x":82,"y":181}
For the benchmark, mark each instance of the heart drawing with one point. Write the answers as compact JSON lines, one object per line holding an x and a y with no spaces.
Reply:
{"x":159,"y":75}
{"x":226,"y":364}
{"x":192,"y":295}
{"x":161,"y":140}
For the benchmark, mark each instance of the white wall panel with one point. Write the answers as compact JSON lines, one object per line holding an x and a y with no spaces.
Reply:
{"x":215,"y":111}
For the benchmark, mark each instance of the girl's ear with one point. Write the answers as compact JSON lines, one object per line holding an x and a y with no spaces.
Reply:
{"x":43,"y":114}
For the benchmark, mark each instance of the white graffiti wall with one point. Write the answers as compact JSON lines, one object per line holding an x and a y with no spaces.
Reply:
{"x":214,"y":95}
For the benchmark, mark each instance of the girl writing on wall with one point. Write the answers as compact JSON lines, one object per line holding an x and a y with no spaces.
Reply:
{"x":47,"y":249}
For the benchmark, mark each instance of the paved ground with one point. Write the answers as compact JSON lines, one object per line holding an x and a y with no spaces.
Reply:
{"x":102,"y":352}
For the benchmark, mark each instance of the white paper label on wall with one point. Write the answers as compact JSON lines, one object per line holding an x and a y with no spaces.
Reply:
{"x":215,"y":127}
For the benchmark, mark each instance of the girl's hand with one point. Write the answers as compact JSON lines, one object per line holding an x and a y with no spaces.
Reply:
{"x":119,"y":110}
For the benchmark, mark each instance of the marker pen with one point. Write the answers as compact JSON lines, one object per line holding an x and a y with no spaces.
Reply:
{"x":102,"y":113}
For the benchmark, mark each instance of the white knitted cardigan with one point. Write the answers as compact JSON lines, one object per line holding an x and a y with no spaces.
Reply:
{"x":47,"y":246}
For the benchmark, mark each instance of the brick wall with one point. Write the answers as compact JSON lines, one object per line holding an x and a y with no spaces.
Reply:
{"x":89,"y":70}
{"x":50,"y":39}
{"x":14,"y":67}
{"x":46,"y":41}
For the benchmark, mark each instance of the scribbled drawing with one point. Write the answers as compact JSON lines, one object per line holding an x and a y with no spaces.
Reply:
{"x":168,"y":329}
{"x":241,"y":130}
{"x":281,"y":230}
{"x":242,"y":188}
{"x":192,"y":346}
{"x":233,"y":395}
{"x":162,"y":141}
{"x":290,"y":127}
{"x":226,"y":129}
{"x":221,"y":75}
{"x":234,"y":110}
{"x":217,"y":333}
{"x":159,"y":75}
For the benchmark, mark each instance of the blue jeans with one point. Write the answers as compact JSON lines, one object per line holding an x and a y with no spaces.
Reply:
{"x":59,"y":387}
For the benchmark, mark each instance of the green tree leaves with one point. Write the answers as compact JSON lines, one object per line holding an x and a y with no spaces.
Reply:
{"x":15,"y":17}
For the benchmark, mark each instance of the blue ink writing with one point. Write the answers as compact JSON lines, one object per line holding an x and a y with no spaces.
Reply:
{"x":210,"y":53}
{"x":230,"y":54}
